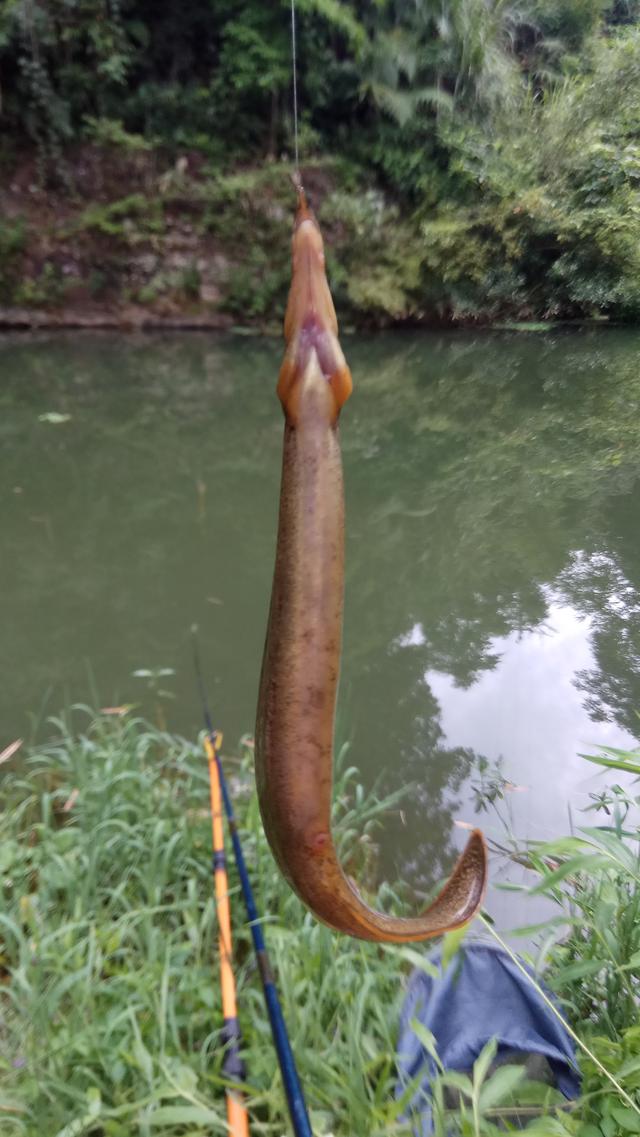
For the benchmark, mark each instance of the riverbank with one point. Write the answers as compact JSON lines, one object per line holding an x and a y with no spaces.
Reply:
{"x":137,"y":239}
{"x":470,"y":170}
{"x":133,"y":237}
{"x":109,"y":996}
{"x":126,"y":318}
{"x":141,"y":240}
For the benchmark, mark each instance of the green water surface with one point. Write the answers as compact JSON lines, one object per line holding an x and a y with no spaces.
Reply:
{"x":493,"y":551}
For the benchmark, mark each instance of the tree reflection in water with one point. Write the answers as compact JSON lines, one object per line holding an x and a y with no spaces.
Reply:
{"x":485,"y":474}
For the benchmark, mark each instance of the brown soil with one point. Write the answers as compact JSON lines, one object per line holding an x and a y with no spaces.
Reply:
{"x":156,"y":269}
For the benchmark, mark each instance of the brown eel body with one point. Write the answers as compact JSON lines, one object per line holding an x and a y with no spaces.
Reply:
{"x":298,"y":686}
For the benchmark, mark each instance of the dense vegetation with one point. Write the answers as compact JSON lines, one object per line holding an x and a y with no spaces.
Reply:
{"x":470,"y":158}
{"x":109,"y":1002}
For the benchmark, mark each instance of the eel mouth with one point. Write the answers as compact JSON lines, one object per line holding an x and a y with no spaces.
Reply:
{"x":310,"y":325}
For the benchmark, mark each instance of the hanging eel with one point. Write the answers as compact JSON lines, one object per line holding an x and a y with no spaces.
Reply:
{"x":298,"y":684}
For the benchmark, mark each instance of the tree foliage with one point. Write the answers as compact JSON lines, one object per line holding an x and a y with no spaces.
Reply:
{"x":501,"y":134}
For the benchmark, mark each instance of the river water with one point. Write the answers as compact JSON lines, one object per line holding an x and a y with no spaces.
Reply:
{"x":493,"y":553}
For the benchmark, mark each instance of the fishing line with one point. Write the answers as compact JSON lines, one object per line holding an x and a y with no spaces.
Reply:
{"x":294,"y":66}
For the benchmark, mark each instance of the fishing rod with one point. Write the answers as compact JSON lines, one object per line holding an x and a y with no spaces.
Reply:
{"x":232,"y":1066}
{"x":293,"y":1089}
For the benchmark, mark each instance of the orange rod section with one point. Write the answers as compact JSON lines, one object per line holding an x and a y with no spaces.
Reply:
{"x":236,"y":1112}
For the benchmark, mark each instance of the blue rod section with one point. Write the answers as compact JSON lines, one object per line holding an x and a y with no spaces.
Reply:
{"x":293,"y":1088}
{"x":288,"y":1069}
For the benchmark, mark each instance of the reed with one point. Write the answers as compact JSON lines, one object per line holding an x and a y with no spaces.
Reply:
{"x":110,"y":1023}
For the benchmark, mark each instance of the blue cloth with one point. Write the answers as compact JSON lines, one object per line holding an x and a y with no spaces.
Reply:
{"x":480,"y":996}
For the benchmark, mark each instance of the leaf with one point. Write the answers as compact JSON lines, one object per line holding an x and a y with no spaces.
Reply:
{"x":631,"y":1066}
{"x":10,"y":1105}
{"x":53,"y":417}
{"x":186,"y":1115}
{"x":416,"y":959}
{"x":398,"y":104}
{"x":185,"y":1079}
{"x":451,"y":944}
{"x":140,"y":1052}
{"x":500,"y":1085}
{"x":94,"y":1100}
{"x":559,"y":847}
{"x":338,"y":16}
{"x":578,"y":970}
{"x":614,"y":848}
{"x":82,"y":1124}
{"x":613,"y":763}
{"x":587,"y":862}
{"x":625,"y":1116}
{"x":483,"y":1061}
{"x":427,"y":1039}
{"x":10,"y":750}
{"x":551,"y":1127}
{"x":457,"y":1081}
{"x":529,"y":930}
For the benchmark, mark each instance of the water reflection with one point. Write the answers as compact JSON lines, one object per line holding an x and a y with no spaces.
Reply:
{"x":493,"y":551}
{"x":529,"y":709}
{"x":496,"y":462}
{"x":610,"y":681}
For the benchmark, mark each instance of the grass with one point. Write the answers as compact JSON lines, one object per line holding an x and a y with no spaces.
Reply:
{"x":109,"y":1002}
{"x":110,"y":1005}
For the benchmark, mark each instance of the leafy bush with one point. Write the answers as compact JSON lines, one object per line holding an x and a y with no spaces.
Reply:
{"x":490,"y":149}
{"x":12,"y":243}
{"x":373,"y":264}
{"x":111,"y":132}
{"x":46,"y":290}
{"x":127,"y":219}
